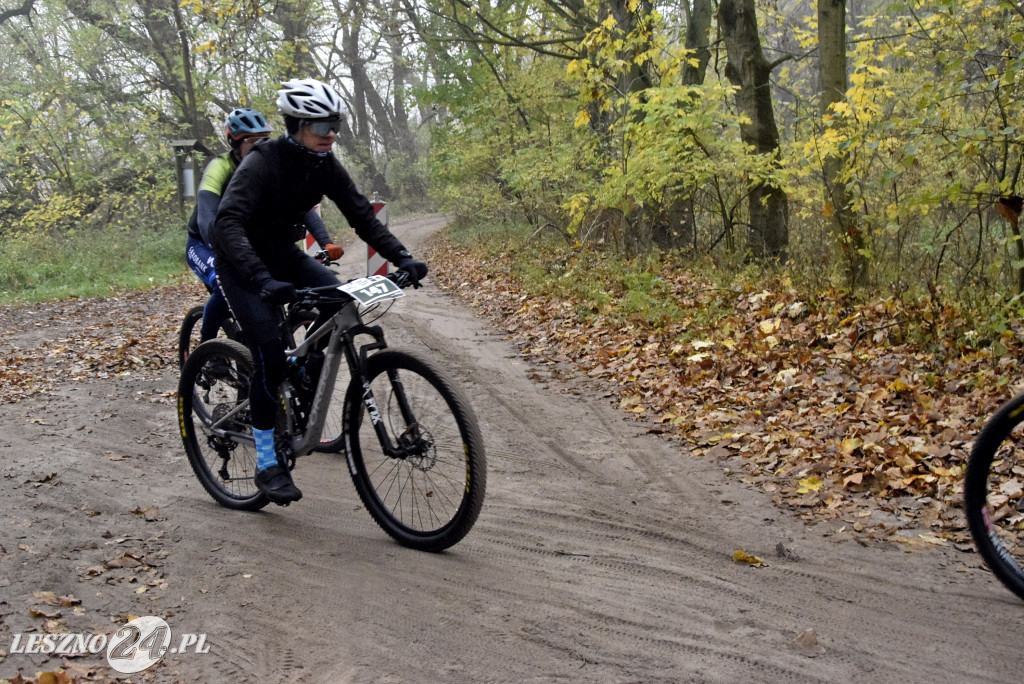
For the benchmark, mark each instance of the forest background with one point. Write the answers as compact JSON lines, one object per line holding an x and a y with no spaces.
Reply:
{"x":795,"y":211}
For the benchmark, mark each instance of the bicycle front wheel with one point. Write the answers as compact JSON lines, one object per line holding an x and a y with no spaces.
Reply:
{"x":994,"y":494}
{"x":426,"y":489}
{"x":216,"y":430}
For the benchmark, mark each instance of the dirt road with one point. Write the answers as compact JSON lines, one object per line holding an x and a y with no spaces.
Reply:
{"x":603,"y":553}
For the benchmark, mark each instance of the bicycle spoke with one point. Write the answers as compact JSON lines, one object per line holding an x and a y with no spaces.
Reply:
{"x":427,"y":487}
{"x":218,"y":437}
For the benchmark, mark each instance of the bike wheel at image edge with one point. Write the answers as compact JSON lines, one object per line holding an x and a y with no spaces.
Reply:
{"x":214,"y":389}
{"x":994,"y":494}
{"x":429,"y":497}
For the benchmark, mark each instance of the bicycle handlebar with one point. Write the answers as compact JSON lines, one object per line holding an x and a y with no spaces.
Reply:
{"x":399,"y":277}
{"x":311,"y":296}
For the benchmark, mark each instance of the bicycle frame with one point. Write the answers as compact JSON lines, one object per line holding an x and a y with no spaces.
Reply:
{"x":341,"y":329}
{"x":411,"y":440}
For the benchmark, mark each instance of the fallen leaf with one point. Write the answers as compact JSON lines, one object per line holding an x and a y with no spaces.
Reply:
{"x":54,"y":677}
{"x":932,"y":539}
{"x":148,"y":514}
{"x":807,"y":638}
{"x":741,"y":556}
{"x":809,"y":484}
{"x":786,"y":377}
{"x":850,"y":444}
{"x":125,"y":560}
{"x":47,"y":597}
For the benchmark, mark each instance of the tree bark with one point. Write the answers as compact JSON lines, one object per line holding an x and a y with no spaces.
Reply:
{"x":24,"y":10}
{"x":747,"y":68}
{"x":294,"y":18}
{"x":833,"y":81}
{"x":681,"y":226}
{"x":406,"y":156}
{"x":368,"y":110}
{"x":698,"y":32}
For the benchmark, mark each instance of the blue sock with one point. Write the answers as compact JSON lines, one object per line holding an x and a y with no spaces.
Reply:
{"x":265,"y":454}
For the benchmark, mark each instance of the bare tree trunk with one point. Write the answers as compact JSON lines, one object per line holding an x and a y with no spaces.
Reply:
{"x":832,"y":75}
{"x":368,"y":110}
{"x":1010,"y":209}
{"x":294,"y":18}
{"x":747,"y":68}
{"x":406,"y":156}
{"x":698,"y":39}
{"x":162,"y":38}
{"x":698,"y":32}
{"x":24,"y":10}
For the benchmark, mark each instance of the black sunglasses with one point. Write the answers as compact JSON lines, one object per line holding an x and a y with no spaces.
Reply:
{"x":323,"y":126}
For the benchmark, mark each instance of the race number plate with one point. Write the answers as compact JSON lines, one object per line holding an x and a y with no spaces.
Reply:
{"x":372,"y":289}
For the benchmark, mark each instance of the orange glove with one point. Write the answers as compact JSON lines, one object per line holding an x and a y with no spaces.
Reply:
{"x":334,"y":252}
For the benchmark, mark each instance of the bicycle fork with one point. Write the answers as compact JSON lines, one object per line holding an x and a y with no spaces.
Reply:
{"x":410,"y":442}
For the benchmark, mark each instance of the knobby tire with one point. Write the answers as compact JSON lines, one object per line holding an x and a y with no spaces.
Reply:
{"x":993,"y":496}
{"x":430,"y":500}
{"x":188,"y":334}
{"x":214,"y":381}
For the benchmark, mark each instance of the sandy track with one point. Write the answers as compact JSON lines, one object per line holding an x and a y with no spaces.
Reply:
{"x":603,"y":553}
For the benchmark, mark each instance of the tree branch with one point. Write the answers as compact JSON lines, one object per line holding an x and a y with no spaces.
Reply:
{"x":24,"y":10}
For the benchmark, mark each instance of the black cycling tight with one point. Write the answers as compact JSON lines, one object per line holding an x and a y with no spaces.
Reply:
{"x":262,"y":326}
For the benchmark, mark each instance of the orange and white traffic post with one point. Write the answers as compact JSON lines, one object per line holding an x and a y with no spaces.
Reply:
{"x":375,"y":263}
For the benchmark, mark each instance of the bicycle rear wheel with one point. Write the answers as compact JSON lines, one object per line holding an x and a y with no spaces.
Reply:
{"x":428,"y":495}
{"x":216,"y":430}
{"x":994,"y":494}
{"x":188,"y":335}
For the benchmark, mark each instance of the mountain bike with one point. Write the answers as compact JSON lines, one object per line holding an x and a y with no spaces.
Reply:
{"x":994,"y":494}
{"x":411,"y":439}
{"x":298,"y":321}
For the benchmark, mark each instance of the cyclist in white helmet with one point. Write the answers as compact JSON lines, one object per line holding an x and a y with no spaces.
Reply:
{"x":243,"y":128}
{"x":258,"y":262}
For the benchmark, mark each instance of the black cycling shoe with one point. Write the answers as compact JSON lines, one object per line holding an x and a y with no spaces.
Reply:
{"x":276,"y":483}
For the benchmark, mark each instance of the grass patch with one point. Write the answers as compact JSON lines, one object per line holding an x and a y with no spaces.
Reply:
{"x":597,"y":282}
{"x":91,"y":263}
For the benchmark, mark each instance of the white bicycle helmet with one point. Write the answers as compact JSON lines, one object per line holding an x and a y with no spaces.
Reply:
{"x":308,"y":98}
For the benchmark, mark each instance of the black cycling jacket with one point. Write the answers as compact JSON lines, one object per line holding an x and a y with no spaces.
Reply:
{"x":269,"y":193}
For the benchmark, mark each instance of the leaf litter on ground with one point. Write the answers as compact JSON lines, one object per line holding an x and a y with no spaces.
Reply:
{"x":825,"y":406}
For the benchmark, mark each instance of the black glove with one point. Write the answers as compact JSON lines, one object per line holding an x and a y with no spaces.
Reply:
{"x":415,"y":270}
{"x":277,"y":292}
